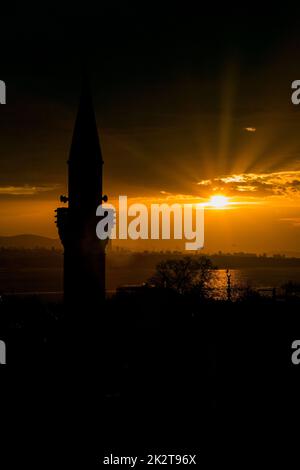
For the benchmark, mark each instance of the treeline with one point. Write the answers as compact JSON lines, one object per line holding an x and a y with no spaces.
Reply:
{"x":236,"y":261}
{"x":221,"y":261}
{"x":44,"y":257}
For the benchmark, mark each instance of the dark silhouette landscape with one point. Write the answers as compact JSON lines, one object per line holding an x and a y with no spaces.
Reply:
{"x":135,"y":346}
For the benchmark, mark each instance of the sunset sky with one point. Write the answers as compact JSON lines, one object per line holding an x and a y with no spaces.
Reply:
{"x":183,"y":114}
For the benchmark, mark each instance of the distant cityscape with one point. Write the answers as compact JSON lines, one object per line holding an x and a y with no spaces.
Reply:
{"x":30,"y":242}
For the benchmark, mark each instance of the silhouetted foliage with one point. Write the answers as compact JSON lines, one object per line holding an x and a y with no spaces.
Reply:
{"x":185,"y":275}
{"x":291,"y":289}
{"x":248,"y":294}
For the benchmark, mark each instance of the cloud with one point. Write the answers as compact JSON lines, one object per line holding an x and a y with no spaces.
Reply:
{"x":283,"y":183}
{"x":294,"y":221}
{"x":25,"y":190}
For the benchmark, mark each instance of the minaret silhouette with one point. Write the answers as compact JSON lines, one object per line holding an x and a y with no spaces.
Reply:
{"x":84,"y":253}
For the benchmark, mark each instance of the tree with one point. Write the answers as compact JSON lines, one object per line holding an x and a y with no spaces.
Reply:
{"x":186,"y":275}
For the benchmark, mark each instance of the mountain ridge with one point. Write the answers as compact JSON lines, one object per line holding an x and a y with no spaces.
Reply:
{"x":29,"y":241}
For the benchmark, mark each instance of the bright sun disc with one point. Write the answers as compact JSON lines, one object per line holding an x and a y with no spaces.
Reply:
{"x":218,"y":201}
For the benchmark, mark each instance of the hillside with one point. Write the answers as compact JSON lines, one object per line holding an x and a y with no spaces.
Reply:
{"x":29,"y":242}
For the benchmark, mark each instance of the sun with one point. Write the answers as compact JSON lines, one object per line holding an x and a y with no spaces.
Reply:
{"x":218,"y":201}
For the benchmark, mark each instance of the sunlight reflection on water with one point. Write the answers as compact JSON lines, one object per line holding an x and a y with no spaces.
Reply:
{"x":254,"y":278}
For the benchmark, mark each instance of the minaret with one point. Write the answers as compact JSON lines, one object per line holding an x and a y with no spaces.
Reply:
{"x":84,"y":253}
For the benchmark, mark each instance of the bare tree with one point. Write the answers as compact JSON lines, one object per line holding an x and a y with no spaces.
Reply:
{"x":186,"y":275}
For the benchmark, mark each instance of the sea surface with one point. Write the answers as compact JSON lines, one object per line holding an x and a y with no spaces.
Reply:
{"x":50,"y":281}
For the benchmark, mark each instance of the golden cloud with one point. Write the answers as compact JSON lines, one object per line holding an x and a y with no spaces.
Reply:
{"x":25,"y":190}
{"x":282,"y":183}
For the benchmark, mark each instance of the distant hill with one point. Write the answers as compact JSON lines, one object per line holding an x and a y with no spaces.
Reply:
{"x":29,"y":242}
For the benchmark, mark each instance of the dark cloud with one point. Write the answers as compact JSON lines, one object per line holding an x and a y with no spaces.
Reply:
{"x":174,"y":90}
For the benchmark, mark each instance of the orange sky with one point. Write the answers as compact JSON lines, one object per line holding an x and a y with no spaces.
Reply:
{"x":215,"y":118}
{"x":254,"y":224}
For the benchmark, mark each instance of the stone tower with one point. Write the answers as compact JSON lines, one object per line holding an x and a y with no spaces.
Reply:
{"x":84,"y":253}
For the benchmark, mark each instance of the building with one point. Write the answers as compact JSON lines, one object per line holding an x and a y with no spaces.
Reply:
{"x":84,"y":253}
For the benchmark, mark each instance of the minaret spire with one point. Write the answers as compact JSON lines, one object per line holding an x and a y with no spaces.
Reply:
{"x":84,"y":253}
{"x":85,"y":160}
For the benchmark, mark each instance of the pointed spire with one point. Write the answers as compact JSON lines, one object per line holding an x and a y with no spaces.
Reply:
{"x":85,"y":145}
{"x":85,"y":160}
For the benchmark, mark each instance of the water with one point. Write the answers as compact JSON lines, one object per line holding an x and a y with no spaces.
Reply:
{"x":49,"y":281}
{"x":256,"y":278}
{"x":261,"y":277}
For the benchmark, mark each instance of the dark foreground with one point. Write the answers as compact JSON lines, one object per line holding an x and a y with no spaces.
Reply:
{"x":151,"y":374}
